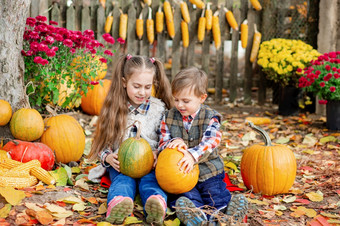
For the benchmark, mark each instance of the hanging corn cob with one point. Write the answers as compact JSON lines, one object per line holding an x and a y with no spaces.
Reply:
{"x":216,"y":30}
{"x":201,"y":27}
{"x":244,"y":34}
{"x":139,"y":26}
{"x":148,"y":2}
{"x":123,"y":25}
{"x":208,"y":17}
{"x":159,"y":20}
{"x":198,"y":3}
{"x":150,"y":31}
{"x":169,"y":18}
{"x":256,"y":44}
{"x":185,"y":11}
{"x":256,"y":4}
{"x":231,"y":19}
{"x":185,"y":34}
{"x":108,"y":23}
{"x":102,"y":2}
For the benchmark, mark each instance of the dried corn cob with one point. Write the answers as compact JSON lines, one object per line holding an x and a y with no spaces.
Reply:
{"x":12,"y":173}
{"x":185,"y":34}
{"x":231,"y":19}
{"x":123,"y":25}
{"x":198,"y":3}
{"x":148,"y":2}
{"x":256,"y":44}
{"x":150,"y":30}
{"x":208,"y":17}
{"x":201,"y":27}
{"x":169,"y":19}
{"x":256,"y":4}
{"x":185,"y":11}
{"x":244,"y":34}
{"x":27,"y":166}
{"x":159,"y":20}
{"x":18,"y":182}
{"x":139,"y":26}
{"x":216,"y":30}
{"x":108,"y":23}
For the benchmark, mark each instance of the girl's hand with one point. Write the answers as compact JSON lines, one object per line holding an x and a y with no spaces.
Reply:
{"x":179,"y":143}
{"x":187,"y":162}
{"x":112,"y":159}
{"x":155,"y":158}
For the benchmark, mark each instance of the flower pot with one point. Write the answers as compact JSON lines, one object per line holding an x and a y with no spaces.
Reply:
{"x":332,"y":115}
{"x":288,"y":100}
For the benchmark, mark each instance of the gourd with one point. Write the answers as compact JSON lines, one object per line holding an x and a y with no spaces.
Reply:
{"x":268,"y":169}
{"x":170,"y":177}
{"x":259,"y":120}
{"x":92,"y":102}
{"x":24,"y":151}
{"x":5,"y":112}
{"x":27,"y":124}
{"x":65,"y":137}
{"x":135,"y":156}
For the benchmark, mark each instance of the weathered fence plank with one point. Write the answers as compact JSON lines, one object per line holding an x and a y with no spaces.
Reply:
{"x":70,"y":18}
{"x":131,"y":35}
{"x":176,"y":43}
{"x":220,"y":59}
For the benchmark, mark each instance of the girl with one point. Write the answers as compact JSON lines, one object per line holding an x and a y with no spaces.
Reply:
{"x":129,"y":99}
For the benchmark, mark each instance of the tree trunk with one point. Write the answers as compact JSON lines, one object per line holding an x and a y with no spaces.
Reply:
{"x":13,"y":16}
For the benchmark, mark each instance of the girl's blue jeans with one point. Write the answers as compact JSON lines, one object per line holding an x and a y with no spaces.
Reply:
{"x":211,"y":192}
{"x":127,"y":187}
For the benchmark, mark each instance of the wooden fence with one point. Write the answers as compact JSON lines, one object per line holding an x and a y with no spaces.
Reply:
{"x":223,"y":73}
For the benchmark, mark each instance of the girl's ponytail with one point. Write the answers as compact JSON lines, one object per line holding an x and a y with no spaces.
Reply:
{"x":162,"y":84}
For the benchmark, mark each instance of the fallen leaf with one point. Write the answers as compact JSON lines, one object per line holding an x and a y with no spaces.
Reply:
{"x":329,"y":215}
{"x":70,"y":200}
{"x":33,"y":206}
{"x":279,"y":207}
{"x":304,"y":201}
{"x":12,"y":195}
{"x":57,"y":211}
{"x":289,"y":199}
{"x":282,"y":140}
{"x":327,"y":139}
{"x":174,"y":222}
{"x":308,"y":151}
{"x":309,"y":212}
{"x":297,"y":213}
{"x":4,"y":211}
{"x":92,"y":200}
{"x":60,"y":176}
{"x":82,"y":184}
{"x":309,"y":140}
{"x":315,"y":197}
{"x":102,"y":208}
{"x":79,"y":206}
{"x":132,"y":220}
{"x":258,"y":202}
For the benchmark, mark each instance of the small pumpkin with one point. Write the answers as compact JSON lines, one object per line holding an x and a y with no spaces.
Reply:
{"x":268,"y":169}
{"x":170,"y":177}
{"x":24,"y":151}
{"x":92,"y":102}
{"x":65,"y":137}
{"x":135,"y":156}
{"x":27,"y":124}
{"x":5,"y":112}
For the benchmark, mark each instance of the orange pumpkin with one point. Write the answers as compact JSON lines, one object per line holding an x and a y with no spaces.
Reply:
{"x":268,"y":169}
{"x":135,"y":157}
{"x":92,"y":102}
{"x":170,"y":177}
{"x":26,"y":124}
{"x":5,"y":112}
{"x":65,"y":137}
{"x":83,"y":66}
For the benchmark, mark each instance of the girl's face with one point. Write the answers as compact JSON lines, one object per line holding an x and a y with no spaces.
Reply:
{"x":186,"y":101}
{"x":138,"y":87}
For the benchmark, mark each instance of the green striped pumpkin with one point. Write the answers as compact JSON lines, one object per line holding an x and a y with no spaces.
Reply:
{"x":27,"y":124}
{"x":135,"y":157}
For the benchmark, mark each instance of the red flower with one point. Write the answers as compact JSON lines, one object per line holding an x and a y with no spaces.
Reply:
{"x":68,"y":43}
{"x":322,"y":101}
{"x":322,"y":84}
{"x":121,"y":41}
{"x":30,"y":21}
{"x":328,"y":67}
{"x":53,"y":23}
{"x":50,"y":53}
{"x":103,"y":60}
{"x":332,"y":89}
{"x":41,"y":18}
{"x":108,"y":52}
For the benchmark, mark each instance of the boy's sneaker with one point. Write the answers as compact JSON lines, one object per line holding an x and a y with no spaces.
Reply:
{"x":188,"y":214}
{"x":234,"y":212}
{"x":155,"y":207}
{"x":118,"y":209}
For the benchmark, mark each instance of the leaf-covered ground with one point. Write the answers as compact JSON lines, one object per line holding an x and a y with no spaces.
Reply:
{"x":314,"y":198}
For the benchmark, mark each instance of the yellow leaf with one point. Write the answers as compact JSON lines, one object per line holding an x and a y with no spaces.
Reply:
{"x":79,"y":206}
{"x":11,"y":195}
{"x":309,"y":212}
{"x":327,"y":139}
{"x":278,"y":213}
{"x":308,"y":151}
{"x":333,"y":221}
{"x":315,"y":197}
{"x":102,"y":208}
{"x":33,"y":206}
{"x":289,"y":199}
{"x":258,"y":202}
{"x":330,"y":215}
{"x":57,"y":211}
{"x":297,"y":213}
{"x":296,"y":191}
{"x":175,"y":222}
{"x":230,"y":165}
{"x":103,"y":223}
{"x":4,"y":211}
{"x":132,"y":220}
{"x":70,"y":200}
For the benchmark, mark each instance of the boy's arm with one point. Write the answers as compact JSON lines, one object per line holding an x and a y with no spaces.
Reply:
{"x":164,"y":137}
{"x":210,"y":140}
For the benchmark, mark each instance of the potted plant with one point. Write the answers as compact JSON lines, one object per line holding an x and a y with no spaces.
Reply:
{"x":61,"y":64}
{"x":280,"y":59}
{"x":322,"y":79}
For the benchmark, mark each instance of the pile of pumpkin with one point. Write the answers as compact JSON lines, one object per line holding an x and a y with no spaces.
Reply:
{"x":62,"y":139}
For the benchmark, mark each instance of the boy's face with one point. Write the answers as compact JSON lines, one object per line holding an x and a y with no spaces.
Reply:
{"x":187,"y":103}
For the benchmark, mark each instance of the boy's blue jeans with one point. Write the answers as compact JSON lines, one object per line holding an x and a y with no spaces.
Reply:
{"x":127,"y":187}
{"x":211,"y":192}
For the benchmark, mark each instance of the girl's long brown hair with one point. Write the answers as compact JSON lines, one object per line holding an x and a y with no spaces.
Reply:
{"x":112,"y":120}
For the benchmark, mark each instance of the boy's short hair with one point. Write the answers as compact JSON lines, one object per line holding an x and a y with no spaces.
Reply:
{"x":190,"y":77}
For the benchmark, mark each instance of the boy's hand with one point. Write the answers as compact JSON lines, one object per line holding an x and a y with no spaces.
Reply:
{"x":187,"y":162}
{"x":112,"y":159}
{"x":179,"y":143}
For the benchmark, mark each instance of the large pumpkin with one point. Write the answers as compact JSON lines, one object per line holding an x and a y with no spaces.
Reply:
{"x":170,"y":177}
{"x":24,"y":151}
{"x":268,"y":169}
{"x":27,"y":124}
{"x":92,"y":102}
{"x":83,"y":66}
{"x":65,"y":137}
{"x":135,"y":157}
{"x":5,"y":112}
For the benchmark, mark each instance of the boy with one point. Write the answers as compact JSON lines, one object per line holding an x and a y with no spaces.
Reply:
{"x":194,"y":129}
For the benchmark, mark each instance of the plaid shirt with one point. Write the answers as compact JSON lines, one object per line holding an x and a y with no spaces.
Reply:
{"x":210,"y":140}
{"x":141,"y":109}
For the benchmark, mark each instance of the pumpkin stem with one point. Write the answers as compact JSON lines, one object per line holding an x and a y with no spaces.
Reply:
{"x":27,"y":103}
{"x":263,"y":133}
{"x":138,"y":128}
{"x":51,"y":110}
